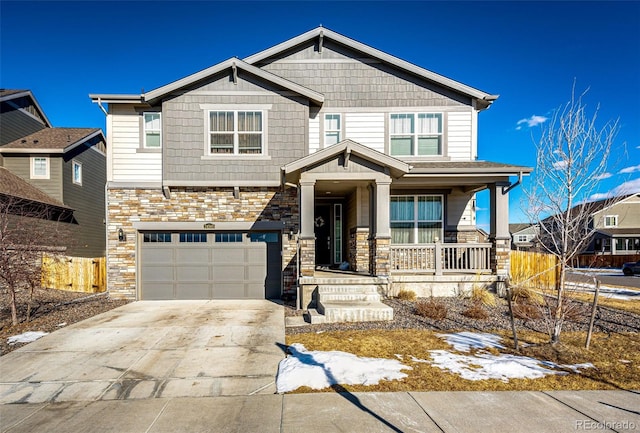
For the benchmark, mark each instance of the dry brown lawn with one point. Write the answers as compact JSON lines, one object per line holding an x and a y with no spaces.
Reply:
{"x":616,"y":358}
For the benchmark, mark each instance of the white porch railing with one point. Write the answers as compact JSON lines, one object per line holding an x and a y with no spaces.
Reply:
{"x":441,"y":257}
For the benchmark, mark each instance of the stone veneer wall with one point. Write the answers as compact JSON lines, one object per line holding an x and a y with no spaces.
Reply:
{"x":307,"y":257}
{"x":500,"y":251}
{"x":359,"y":249}
{"x":380,"y":256}
{"x":127,"y":206}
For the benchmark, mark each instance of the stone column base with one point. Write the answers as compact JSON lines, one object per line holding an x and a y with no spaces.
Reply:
{"x":380,"y":256}
{"x":500,"y":250}
{"x":359,"y":249}
{"x":307,"y":257}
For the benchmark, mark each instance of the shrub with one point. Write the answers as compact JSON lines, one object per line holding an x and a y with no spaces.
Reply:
{"x":480,"y":295}
{"x":476,"y":312}
{"x":518,"y":293}
{"x":406,"y":295}
{"x":526,"y":311}
{"x":432,"y":309}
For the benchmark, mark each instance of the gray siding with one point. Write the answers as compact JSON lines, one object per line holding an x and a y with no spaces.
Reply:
{"x":87,"y":200}
{"x":352,"y":81}
{"x":20,"y":166}
{"x":15,"y":124}
{"x":628,"y":214}
{"x":185,"y":130}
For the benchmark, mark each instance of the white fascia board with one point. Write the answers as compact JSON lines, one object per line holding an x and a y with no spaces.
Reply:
{"x":205,"y":73}
{"x":35,"y":151}
{"x":373,"y":52}
{"x":115,"y":98}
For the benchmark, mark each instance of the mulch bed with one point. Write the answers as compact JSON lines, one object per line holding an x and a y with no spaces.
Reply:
{"x":608,"y":320}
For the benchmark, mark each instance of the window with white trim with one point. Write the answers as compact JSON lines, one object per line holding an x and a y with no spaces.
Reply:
{"x":415,"y":134}
{"x":235,"y":133}
{"x":416,"y":219}
{"x":152,"y":130}
{"x":76,"y":172}
{"x":40,"y":167}
{"x":332,"y":129}
{"x":522,"y":238}
{"x":611,"y":220}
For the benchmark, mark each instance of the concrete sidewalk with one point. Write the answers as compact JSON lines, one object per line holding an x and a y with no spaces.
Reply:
{"x":473,"y":412}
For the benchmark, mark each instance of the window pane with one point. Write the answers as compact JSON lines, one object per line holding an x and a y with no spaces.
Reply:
{"x":40,"y":166}
{"x":332,"y":122}
{"x":221,"y":143}
{"x":152,"y":121}
{"x":77,"y":173}
{"x":402,"y":233}
{"x":221,"y":121}
{"x":269,"y":238}
{"x":249,"y":143}
{"x":402,"y":209}
{"x":402,"y":145}
{"x":401,"y":124}
{"x":429,"y":209}
{"x":228,"y":237}
{"x":429,"y":146}
{"x":429,"y":123}
{"x":250,"y":121}
{"x":331,"y":138}
{"x":429,"y":232}
{"x":157,"y":237}
{"x":193,"y":237}
{"x":153,"y":139}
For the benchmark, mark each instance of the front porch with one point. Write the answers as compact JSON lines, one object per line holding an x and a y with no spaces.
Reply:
{"x":395,"y":226}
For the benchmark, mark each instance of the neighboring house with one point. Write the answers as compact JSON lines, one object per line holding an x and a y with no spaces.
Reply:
{"x":259,"y":175}
{"x":68,"y":165}
{"x":523,"y":236}
{"x":617,"y":227}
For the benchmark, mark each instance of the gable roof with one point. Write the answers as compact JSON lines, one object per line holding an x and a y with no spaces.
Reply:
{"x":484,"y":99}
{"x":14,"y":186}
{"x":51,"y":140}
{"x":233,"y":64}
{"x":9,"y":94}
{"x":396,"y":167}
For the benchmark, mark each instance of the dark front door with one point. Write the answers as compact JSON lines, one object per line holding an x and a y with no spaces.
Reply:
{"x":322,"y":224}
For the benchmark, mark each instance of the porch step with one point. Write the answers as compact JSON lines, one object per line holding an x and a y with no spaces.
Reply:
{"x":364,"y":293}
{"x":346,"y":311}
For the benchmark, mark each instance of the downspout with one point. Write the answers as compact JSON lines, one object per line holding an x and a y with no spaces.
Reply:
{"x":102,"y":107}
{"x":506,"y":189}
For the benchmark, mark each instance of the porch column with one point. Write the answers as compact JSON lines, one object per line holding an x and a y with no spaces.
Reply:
{"x":380,"y":247}
{"x":307,"y":237}
{"x":499,"y":229}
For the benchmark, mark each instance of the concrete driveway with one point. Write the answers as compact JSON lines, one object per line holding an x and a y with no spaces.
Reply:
{"x":151,"y":350}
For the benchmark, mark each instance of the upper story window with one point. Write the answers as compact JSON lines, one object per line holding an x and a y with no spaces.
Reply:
{"x":332,"y":129}
{"x":415,"y":134}
{"x":76,"y":172}
{"x":152,"y":131}
{"x":416,"y":219}
{"x":235,"y":132}
{"x":611,"y":220}
{"x":522,"y":238}
{"x":40,"y":167}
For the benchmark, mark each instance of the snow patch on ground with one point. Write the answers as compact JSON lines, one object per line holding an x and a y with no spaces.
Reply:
{"x":483,"y":365}
{"x":319,"y":370}
{"x":26,"y":337}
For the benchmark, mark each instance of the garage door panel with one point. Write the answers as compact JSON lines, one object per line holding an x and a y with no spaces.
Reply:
{"x":193,"y":291}
{"x":192,"y":255}
{"x":155,"y":254}
{"x":228,"y":255}
{"x":255,"y":291}
{"x":192,"y":273}
{"x":157,"y":273}
{"x":158,"y":291}
{"x":229,"y":274}
{"x":228,"y":291}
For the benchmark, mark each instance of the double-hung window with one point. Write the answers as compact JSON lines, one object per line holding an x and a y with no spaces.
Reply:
{"x":152,"y":131}
{"x":235,"y":132}
{"x":332,"y":129}
{"x":40,"y":167}
{"x":415,"y":134}
{"x":416,"y":219}
{"x":611,"y":220}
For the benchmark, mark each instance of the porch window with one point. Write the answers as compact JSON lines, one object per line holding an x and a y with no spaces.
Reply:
{"x":152,"y":132}
{"x":235,"y":132}
{"x":416,"y":219}
{"x":415,"y":134}
{"x":332,"y":128}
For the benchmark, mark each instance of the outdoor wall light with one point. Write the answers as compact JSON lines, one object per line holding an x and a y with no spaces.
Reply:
{"x":121,"y":237}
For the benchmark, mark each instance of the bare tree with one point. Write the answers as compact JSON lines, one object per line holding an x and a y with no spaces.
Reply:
{"x":573,"y":154}
{"x":27,"y":229}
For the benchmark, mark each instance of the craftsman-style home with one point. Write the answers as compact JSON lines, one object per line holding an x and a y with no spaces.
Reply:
{"x":320,"y":165}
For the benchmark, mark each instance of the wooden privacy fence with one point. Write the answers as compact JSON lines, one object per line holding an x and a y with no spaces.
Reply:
{"x":77,"y":274}
{"x":533,"y":270}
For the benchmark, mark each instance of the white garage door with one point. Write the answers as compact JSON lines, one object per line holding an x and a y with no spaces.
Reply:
{"x":205,"y":265}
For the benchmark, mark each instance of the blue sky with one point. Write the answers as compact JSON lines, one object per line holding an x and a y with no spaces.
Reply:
{"x":528,"y":52}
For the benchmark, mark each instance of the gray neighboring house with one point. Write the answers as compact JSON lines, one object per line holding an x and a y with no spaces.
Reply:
{"x":523,"y":236}
{"x":617,"y":227}
{"x":264,"y":174}
{"x":68,"y":165}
